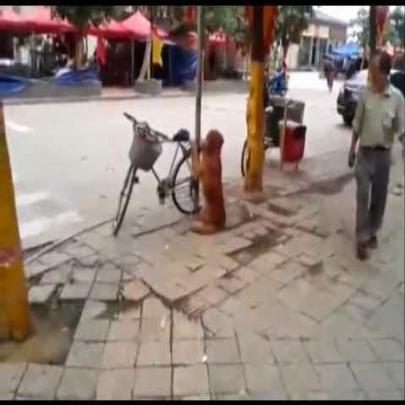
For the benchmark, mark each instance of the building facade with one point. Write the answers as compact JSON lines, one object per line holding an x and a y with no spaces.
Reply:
{"x":322,"y":33}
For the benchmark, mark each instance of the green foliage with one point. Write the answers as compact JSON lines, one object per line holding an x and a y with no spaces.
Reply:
{"x":291,"y":22}
{"x":396,"y":33}
{"x":397,"y":26}
{"x":361,"y":26}
{"x":81,"y":16}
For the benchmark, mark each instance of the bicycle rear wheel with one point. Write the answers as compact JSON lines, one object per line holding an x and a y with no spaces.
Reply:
{"x":125,"y":196}
{"x":184,"y":186}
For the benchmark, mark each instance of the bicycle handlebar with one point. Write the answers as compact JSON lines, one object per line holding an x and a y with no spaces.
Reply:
{"x":156,"y":133}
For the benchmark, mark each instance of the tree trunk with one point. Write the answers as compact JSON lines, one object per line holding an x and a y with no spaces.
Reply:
{"x":373,"y":37}
{"x":373,"y":29}
{"x":255,"y":107}
{"x":79,"y":51}
{"x":286,"y":46}
{"x":15,"y":320}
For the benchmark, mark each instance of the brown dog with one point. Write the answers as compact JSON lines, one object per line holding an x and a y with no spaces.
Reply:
{"x":209,"y":170}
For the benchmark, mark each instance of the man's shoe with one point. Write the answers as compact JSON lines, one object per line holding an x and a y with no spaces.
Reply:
{"x":373,"y":243}
{"x":362,"y":253}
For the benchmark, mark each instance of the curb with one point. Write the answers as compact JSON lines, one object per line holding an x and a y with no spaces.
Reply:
{"x":56,"y":100}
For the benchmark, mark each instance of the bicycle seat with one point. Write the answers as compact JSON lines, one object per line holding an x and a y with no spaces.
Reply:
{"x":181,"y":136}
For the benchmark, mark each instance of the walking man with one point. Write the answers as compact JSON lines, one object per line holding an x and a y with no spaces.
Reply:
{"x":379,"y":118}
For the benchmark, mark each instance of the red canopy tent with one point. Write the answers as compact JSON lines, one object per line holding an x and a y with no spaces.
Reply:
{"x":11,"y":21}
{"x":141,"y":26}
{"x":41,"y":21}
{"x":111,"y":30}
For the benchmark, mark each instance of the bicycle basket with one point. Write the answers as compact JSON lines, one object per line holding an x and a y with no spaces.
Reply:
{"x":145,"y":148}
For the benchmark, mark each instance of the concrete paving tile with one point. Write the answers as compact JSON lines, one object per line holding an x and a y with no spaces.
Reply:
{"x":124,"y":330}
{"x":393,"y":395}
{"x":226,"y":379}
{"x":58,"y":276}
{"x":116,"y":385}
{"x":323,"y":351}
{"x":109,"y":274}
{"x":86,"y":355}
{"x":336,"y":377}
{"x":298,"y":378}
{"x":396,"y":372}
{"x":188,"y":352}
{"x":92,"y":330}
{"x":289,"y":352}
{"x":355,"y":350}
{"x":263,"y":379}
{"x":155,"y":329}
{"x":219,"y":323}
{"x":104,"y":291}
{"x":77,"y":383}
{"x":185,"y":329}
{"x":152,"y":383}
{"x":92,"y":309}
{"x":190,"y":381}
{"x":254,"y":350}
{"x":154,"y":354}
{"x":153,"y":308}
{"x":387,"y":349}
{"x":83,"y":274}
{"x":40,"y":294}
{"x":10,"y":376}
{"x":40,"y":381}
{"x":222,"y":351}
{"x":119,"y":355}
{"x":372,"y":377}
{"x":76,"y":291}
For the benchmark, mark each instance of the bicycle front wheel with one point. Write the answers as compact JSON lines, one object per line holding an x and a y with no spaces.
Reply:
{"x":244,"y":159}
{"x":125,"y":196}
{"x":184,"y":186}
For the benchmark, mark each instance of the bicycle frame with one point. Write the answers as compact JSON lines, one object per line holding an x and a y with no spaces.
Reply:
{"x":170,"y":184}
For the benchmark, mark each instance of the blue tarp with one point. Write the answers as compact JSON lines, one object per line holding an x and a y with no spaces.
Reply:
{"x":183,"y":65}
{"x":74,"y":77}
{"x":11,"y":85}
{"x":346,"y":51}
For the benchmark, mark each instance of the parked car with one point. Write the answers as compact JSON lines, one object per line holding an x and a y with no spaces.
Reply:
{"x":352,"y":88}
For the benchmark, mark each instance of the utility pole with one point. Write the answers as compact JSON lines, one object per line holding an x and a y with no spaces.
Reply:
{"x":200,"y":75}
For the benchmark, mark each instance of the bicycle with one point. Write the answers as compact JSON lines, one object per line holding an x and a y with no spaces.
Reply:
{"x":146,"y":148}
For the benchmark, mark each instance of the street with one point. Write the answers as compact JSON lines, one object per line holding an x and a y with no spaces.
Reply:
{"x":69,"y":159}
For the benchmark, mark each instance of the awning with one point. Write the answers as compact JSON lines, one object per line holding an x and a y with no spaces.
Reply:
{"x":111,"y":30}
{"x":11,"y":21}
{"x":41,"y":21}
{"x":347,"y":50}
{"x":141,"y":26}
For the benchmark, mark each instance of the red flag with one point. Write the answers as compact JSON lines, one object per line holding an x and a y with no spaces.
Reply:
{"x":100,"y":50}
{"x":190,"y":14}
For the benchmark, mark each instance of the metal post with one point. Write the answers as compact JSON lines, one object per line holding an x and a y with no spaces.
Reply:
{"x":132,"y":62}
{"x":200,"y":75}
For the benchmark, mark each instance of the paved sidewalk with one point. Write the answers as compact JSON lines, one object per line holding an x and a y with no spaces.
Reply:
{"x":274,"y":307}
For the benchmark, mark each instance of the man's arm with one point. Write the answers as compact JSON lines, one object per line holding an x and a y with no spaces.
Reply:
{"x":400,"y":118}
{"x":357,"y":123}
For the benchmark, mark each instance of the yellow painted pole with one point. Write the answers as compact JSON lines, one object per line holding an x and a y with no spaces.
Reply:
{"x":255,"y":107}
{"x":15,"y":319}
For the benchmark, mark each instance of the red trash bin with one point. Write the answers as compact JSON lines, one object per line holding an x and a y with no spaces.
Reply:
{"x":292,"y":144}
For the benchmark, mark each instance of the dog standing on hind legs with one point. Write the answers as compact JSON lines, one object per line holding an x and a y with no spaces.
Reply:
{"x":208,"y":169}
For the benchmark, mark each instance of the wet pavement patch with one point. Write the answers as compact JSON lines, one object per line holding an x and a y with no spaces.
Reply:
{"x":115,"y":309}
{"x":50,"y":342}
{"x":259,"y":246}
